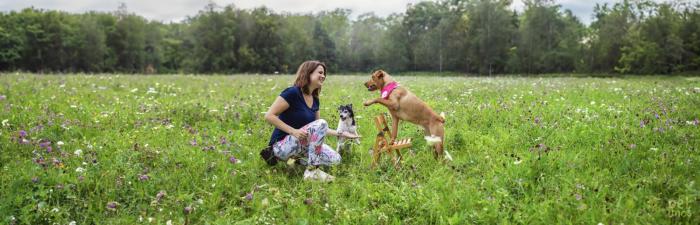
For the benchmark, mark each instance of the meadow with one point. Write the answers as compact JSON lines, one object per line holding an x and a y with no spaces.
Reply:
{"x":176,"y":149}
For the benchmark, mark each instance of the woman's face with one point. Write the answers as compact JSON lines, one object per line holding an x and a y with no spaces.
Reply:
{"x":317,"y":77}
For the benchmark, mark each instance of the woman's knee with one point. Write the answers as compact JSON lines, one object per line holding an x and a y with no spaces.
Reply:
{"x":321,"y":122}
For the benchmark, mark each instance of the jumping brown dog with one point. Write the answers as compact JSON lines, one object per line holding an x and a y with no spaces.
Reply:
{"x":404,"y":105}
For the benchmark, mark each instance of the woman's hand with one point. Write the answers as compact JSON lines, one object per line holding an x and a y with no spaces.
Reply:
{"x":299,"y":134}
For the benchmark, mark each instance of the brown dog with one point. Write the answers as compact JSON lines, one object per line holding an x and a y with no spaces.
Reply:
{"x":404,"y":105}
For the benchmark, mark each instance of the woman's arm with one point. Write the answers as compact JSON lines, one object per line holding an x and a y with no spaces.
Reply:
{"x":272,"y":117}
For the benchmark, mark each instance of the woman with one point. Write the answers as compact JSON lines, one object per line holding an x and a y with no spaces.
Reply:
{"x":299,"y":131}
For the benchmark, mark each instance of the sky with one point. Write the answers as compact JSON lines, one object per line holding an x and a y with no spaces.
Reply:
{"x":177,"y":10}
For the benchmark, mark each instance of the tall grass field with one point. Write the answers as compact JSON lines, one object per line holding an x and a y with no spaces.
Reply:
{"x":123,"y":149}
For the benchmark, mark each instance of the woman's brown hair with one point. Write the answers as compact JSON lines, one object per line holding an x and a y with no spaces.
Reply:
{"x":304,"y":76}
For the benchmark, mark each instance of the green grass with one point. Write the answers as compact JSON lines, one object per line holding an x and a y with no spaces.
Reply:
{"x":526,"y":151}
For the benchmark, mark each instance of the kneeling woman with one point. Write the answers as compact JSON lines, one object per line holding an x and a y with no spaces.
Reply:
{"x":299,"y":131}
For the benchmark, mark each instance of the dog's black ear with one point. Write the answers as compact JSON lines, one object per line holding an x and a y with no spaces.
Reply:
{"x":350,"y":106}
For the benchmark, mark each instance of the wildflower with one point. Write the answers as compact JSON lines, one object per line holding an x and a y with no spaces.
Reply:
{"x":112,"y":206}
{"x":78,"y":152}
{"x":160,"y":195}
{"x":656,"y":115}
{"x":49,"y":149}
{"x":308,"y":201}
{"x":72,"y":223}
{"x":578,"y":196}
{"x":81,"y":178}
{"x":35,"y":179}
{"x":80,"y":170}
{"x":188,"y":210}
{"x":641,"y":124}
{"x":5,"y":122}
{"x":249,"y":196}
{"x":632,"y":146}
{"x":696,"y":122}
{"x":193,"y":142}
{"x":44,"y":144}
{"x":22,"y":133}
{"x":59,"y":143}
{"x":537,"y":120}
{"x":144,"y":177}
{"x":223,"y":140}
{"x":233,"y":160}
{"x":3,"y":97}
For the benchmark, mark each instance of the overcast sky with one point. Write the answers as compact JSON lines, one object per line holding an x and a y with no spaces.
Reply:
{"x":176,"y":10}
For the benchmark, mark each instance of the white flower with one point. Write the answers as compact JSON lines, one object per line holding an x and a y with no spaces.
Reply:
{"x":78,"y":152}
{"x":134,"y":90}
{"x":170,"y":222}
{"x":151,"y":90}
{"x":72,"y":223}
{"x":518,"y":162}
{"x":79,"y":170}
{"x":59,"y":143}
{"x":5,"y":122}
{"x":73,"y":106}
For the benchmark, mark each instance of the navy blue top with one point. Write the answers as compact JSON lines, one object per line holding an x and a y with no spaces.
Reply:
{"x":297,"y":115}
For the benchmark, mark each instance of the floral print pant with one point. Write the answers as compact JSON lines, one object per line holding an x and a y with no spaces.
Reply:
{"x":313,"y":147}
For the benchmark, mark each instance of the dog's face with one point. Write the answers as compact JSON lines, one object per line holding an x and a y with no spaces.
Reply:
{"x":376,"y":81}
{"x":345,"y":112}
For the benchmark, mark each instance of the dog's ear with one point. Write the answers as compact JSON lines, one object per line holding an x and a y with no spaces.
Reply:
{"x":379,"y":74}
{"x":350,"y":106}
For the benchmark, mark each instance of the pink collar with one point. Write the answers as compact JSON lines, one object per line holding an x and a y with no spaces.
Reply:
{"x":388,"y":88}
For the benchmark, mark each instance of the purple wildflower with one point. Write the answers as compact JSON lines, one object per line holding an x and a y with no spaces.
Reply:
{"x":49,"y":149}
{"x":188,"y":210}
{"x":81,"y":178}
{"x":112,"y":206}
{"x":578,"y":196}
{"x":193,"y":142}
{"x":44,"y":144}
{"x":144,"y":177}
{"x":22,"y":133}
{"x":223,"y":140}
{"x":35,"y":180}
{"x":641,"y":124}
{"x":233,"y":160}
{"x":537,"y":120}
{"x":3,"y":97}
{"x":656,"y":115}
{"x":696,"y":122}
{"x":249,"y":196}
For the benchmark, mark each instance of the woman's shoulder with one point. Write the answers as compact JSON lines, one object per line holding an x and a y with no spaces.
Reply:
{"x":292,"y":90}
{"x":291,"y":94}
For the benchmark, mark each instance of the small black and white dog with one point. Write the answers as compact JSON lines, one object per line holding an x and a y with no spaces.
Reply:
{"x":346,"y":124}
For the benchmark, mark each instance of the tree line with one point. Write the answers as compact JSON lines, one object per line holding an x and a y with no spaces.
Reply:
{"x":467,"y":36}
